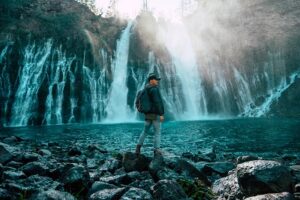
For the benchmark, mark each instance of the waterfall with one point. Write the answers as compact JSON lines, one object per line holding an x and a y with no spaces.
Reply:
{"x":57,"y":76}
{"x":32,"y":75}
{"x":272,"y":96}
{"x":184,"y":59}
{"x":117,"y":108}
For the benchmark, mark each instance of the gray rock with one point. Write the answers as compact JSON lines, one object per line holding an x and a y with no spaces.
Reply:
{"x":11,"y":140}
{"x":263,"y":176}
{"x":35,"y":168}
{"x":76,"y":179}
{"x":4,"y":194}
{"x":117,"y":179}
{"x":156,"y":164}
{"x":14,"y":164}
{"x":13,"y":175}
{"x":136,"y":175}
{"x":32,"y":184}
{"x":27,"y":157}
{"x":297,"y":188}
{"x":273,"y":196}
{"x":289,"y":157}
{"x":45,"y":152}
{"x":131,"y":162}
{"x":75,"y":151}
{"x":296,"y":172}
{"x":99,"y":185}
{"x":92,"y":163}
{"x":108,"y":194}
{"x":227,"y":186}
{"x":52,"y":195}
{"x":143,"y":184}
{"x":136,"y":193}
{"x":111,"y":165}
{"x":221,"y":168}
{"x":186,"y":168}
{"x":168,"y":190}
{"x":167,"y":173}
{"x":6,"y":153}
{"x":297,"y":195}
{"x":242,"y":159}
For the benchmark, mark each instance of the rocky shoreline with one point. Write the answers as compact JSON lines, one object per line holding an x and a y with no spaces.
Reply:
{"x":50,"y":170}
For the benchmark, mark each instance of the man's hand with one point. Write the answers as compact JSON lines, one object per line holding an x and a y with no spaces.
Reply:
{"x":161,"y":118}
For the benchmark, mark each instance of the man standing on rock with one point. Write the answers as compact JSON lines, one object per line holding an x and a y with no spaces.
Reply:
{"x":154,"y":117}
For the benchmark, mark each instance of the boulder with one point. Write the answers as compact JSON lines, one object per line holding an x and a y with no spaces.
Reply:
{"x":13,"y":175}
{"x":32,"y":184}
{"x":76,"y":179}
{"x":4,"y":194}
{"x":297,"y":188}
{"x":131,"y":162}
{"x":227,"y":187}
{"x":168,"y":190}
{"x":242,"y":159}
{"x":11,"y":140}
{"x":273,"y":196}
{"x":75,"y":151}
{"x":45,"y":152}
{"x":14,"y":164}
{"x":111,"y":165}
{"x":167,"y":173}
{"x":117,"y":179}
{"x":35,"y":168}
{"x":263,"y":176}
{"x":136,"y":193}
{"x":108,"y":194}
{"x":295,"y":172}
{"x":156,"y":164}
{"x":221,"y":168}
{"x":6,"y":153}
{"x":27,"y":157}
{"x":100,"y":185}
{"x":186,"y":168}
{"x":143,"y":184}
{"x":52,"y":195}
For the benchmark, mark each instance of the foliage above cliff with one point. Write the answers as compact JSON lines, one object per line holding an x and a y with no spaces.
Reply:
{"x":62,"y":20}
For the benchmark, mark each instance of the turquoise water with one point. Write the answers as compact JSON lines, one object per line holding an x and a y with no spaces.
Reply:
{"x":236,"y":136}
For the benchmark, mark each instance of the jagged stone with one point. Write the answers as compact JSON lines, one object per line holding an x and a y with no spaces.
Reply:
{"x":100,"y":185}
{"x":167,"y":190}
{"x":273,"y":196}
{"x":76,"y":179}
{"x":108,"y":194}
{"x":52,"y":195}
{"x":263,"y":176}
{"x":35,"y":168}
{"x":136,"y":193}
{"x":242,"y":159}
{"x":6,"y":153}
{"x":131,"y":162}
{"x":13,"y":175}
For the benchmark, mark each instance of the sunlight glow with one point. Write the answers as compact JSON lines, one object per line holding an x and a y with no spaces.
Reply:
{"x":168,"y":9}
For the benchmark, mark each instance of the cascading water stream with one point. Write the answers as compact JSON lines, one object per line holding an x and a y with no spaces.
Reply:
{"x":185,"y":62}
{"x":31,"y":78}
{"x":117,"y":108}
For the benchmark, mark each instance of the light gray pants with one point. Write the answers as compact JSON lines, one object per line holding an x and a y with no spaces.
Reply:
{"x":156,"y":125}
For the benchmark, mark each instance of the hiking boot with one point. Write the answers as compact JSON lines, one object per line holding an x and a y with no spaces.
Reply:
{"x":138,"y":149}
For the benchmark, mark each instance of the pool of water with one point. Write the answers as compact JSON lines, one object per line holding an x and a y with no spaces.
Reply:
{"x":236,"y":136}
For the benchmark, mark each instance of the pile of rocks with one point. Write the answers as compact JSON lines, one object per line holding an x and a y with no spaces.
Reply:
{"x":50,"y":170}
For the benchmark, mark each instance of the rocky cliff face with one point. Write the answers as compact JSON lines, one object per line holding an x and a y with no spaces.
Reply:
{"x":50,"y":51}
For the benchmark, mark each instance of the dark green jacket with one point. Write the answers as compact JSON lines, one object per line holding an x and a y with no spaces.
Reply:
{"x":156,"y":99}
